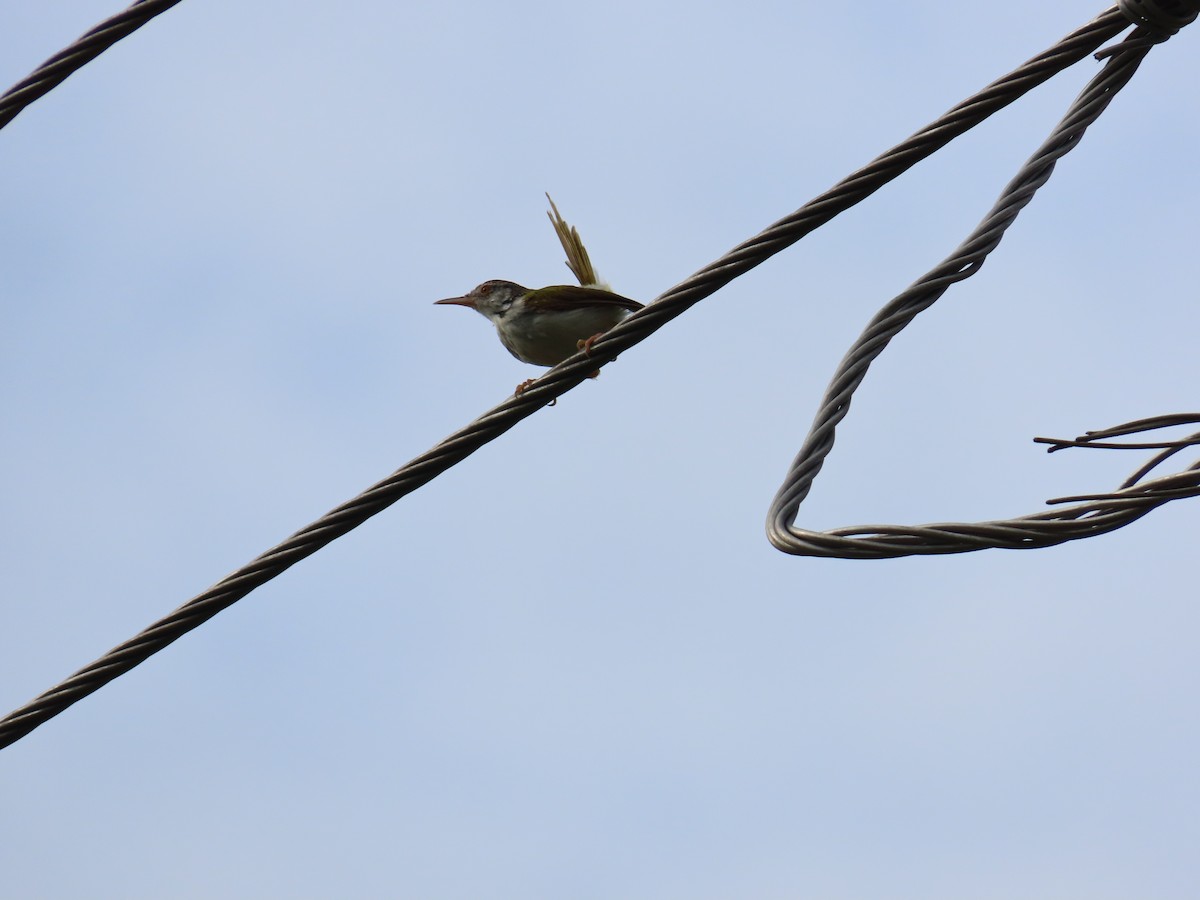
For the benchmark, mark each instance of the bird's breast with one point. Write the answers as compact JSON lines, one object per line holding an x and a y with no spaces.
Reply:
{"x":547,"y":338}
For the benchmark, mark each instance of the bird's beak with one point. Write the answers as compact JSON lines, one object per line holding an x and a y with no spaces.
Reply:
{"x":456,"y":301}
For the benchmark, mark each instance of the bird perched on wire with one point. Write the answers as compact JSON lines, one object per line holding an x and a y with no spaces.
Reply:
{"x":544,"y":326}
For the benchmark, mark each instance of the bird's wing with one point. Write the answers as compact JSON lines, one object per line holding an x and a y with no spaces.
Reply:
{"x":567,"y":297}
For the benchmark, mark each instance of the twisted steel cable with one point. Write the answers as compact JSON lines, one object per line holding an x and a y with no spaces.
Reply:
{"x":1042,"y":529}
{"x":565,"y":376}
{"x":57,"y":68}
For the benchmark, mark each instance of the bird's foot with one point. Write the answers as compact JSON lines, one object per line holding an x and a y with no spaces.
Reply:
{"x":586,"y":347}
{"x":524,"y":386}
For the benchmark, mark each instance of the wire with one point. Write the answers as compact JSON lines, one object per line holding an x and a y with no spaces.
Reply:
{"x":57,"y":68}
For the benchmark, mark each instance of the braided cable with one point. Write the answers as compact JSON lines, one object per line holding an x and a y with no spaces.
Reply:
{"x":563,"y":377}
{"x":57,"y":68}
{"x":1100,"y":514}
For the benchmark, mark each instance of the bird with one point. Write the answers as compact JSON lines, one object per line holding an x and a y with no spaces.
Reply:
{"x":544,"y":326}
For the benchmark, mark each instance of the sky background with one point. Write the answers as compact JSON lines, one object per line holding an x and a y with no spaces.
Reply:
{"x":572,"y":666}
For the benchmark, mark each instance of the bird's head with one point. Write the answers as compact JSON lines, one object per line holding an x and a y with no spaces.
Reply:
{"x":492,"y":298}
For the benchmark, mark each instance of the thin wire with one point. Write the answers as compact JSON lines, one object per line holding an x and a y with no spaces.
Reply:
{"x":57,"y":68}
{"x":563,"y":377}
{"x":1093,"y":440}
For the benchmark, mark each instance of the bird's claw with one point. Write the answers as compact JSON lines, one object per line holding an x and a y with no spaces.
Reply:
{"x":586,"y":347}
{"x":524,"y":386}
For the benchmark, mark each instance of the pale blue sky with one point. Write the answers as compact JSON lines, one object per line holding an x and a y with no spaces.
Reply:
{"x":573,"y":666}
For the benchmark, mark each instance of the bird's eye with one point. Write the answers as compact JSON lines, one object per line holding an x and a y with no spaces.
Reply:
{"x":484,"y":289}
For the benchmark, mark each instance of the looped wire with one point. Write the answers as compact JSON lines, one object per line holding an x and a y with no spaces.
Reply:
{"x":1038,"y":530}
